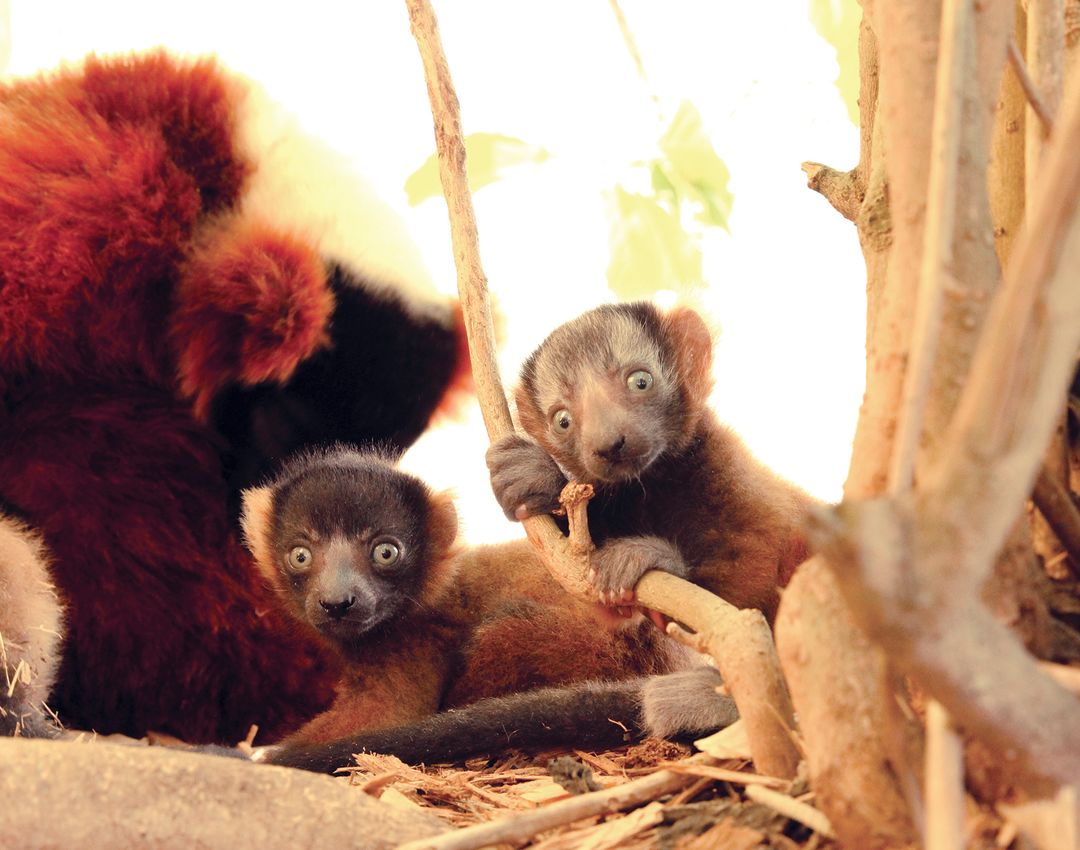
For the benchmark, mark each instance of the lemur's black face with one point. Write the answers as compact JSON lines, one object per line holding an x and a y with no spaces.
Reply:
{"x":379,"y":381}
{"x":349,"y":533}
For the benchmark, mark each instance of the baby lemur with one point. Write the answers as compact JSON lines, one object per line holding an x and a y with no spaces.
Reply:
{"x":619,"y":398}
{"x":365,"y":554}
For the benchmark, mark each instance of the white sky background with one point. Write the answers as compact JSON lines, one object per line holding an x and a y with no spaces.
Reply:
{"x":786,"y":287}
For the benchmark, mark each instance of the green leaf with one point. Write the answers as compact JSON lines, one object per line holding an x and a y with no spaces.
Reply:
{"x":488,"y":156}
{"x":650,"y":250}
{"x":838,"y":21}
{"x":661,"y":182}
{"x":696,"y":170}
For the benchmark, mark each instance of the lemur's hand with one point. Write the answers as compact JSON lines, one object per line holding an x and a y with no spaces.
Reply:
{"x":526,"y":481}
{"x":618,"y":564}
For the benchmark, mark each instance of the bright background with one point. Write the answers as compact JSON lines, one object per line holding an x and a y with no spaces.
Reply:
{"x":785,"y":285}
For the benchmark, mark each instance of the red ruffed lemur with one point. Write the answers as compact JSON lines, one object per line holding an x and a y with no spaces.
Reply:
{"x":191,"y":289}
{"x":618,"y":397}
{"x":365,"y":554}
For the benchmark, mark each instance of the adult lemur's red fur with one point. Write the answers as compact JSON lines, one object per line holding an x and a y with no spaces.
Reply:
{"x":191,"y":289}
{"x":618,"y":397}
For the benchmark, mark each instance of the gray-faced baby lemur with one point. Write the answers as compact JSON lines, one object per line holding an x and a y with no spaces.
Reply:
{"x":619,"y":398}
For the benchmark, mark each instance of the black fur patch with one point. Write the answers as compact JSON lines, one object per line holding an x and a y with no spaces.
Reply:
{"x":379,"y":381}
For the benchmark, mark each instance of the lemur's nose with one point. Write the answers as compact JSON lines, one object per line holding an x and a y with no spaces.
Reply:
{"x":613,"y":451}
{"x":337,"y":610}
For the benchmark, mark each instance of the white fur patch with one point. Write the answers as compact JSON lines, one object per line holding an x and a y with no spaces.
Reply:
{"x":303,"y":187}
{"x":31,"y":617}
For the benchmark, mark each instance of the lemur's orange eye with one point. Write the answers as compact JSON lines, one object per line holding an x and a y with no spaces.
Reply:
{"x":299,"y":559}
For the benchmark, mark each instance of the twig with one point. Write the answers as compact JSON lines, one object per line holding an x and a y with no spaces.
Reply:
{"x":792,"y":808}
{"x":842,"y":189}
{"x":1028,"y":85}
{"x":1058,"y":509}
{"x":723,"y":774}
{"x":740,"y":641}
{"x":944,"y":779}
{"x":635,"y":55}
{"x":1045,"y":61}
{"x":575,"y":500}
{"x":519,"y":828}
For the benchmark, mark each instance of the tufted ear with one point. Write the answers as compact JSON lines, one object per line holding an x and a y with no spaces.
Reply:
{"x":442,"y":532}
{"x":252,"y":303}
{"x":443,"y":524}
{"x":256,"y":520}
{"x":692,"y":343}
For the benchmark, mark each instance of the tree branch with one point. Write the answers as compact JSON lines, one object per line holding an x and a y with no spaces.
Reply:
{"x":910,"y":568}
{"x":727,"y":631}
{"x":1031,"y":92}
{"x":957,"y":30}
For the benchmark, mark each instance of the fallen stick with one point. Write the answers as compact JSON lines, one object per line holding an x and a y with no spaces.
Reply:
{"x":522,"y":827}
{"x":792,"y":808}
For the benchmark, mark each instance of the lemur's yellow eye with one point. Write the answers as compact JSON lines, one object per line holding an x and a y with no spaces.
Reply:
{"x":562,"y":420}
{"x":385,"y":554}
{"x":639,"y":381}
{"x":299,"y":559}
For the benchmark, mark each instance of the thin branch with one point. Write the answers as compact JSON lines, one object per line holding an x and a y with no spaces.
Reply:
{"x":521,"y":827}
{"x":1058,"y":508}
{"x":1045,"y":60}
{"x":1031,"y":92}
{"x":635,"y":55}
{"x":740,"y":641}
{"x":937,"y":256}
{"x":792,"y":808}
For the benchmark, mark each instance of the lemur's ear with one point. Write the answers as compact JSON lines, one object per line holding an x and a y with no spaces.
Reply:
{"x":443,"y":526}
{"x":692,"y":342}
{"x":256,"y":521}
{"x":442,"y":532}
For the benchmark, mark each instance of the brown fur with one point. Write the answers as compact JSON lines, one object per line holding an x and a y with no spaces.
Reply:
{"x":676,"y":489}
{"x":31,"y":626}
{"x":483,"y":621}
